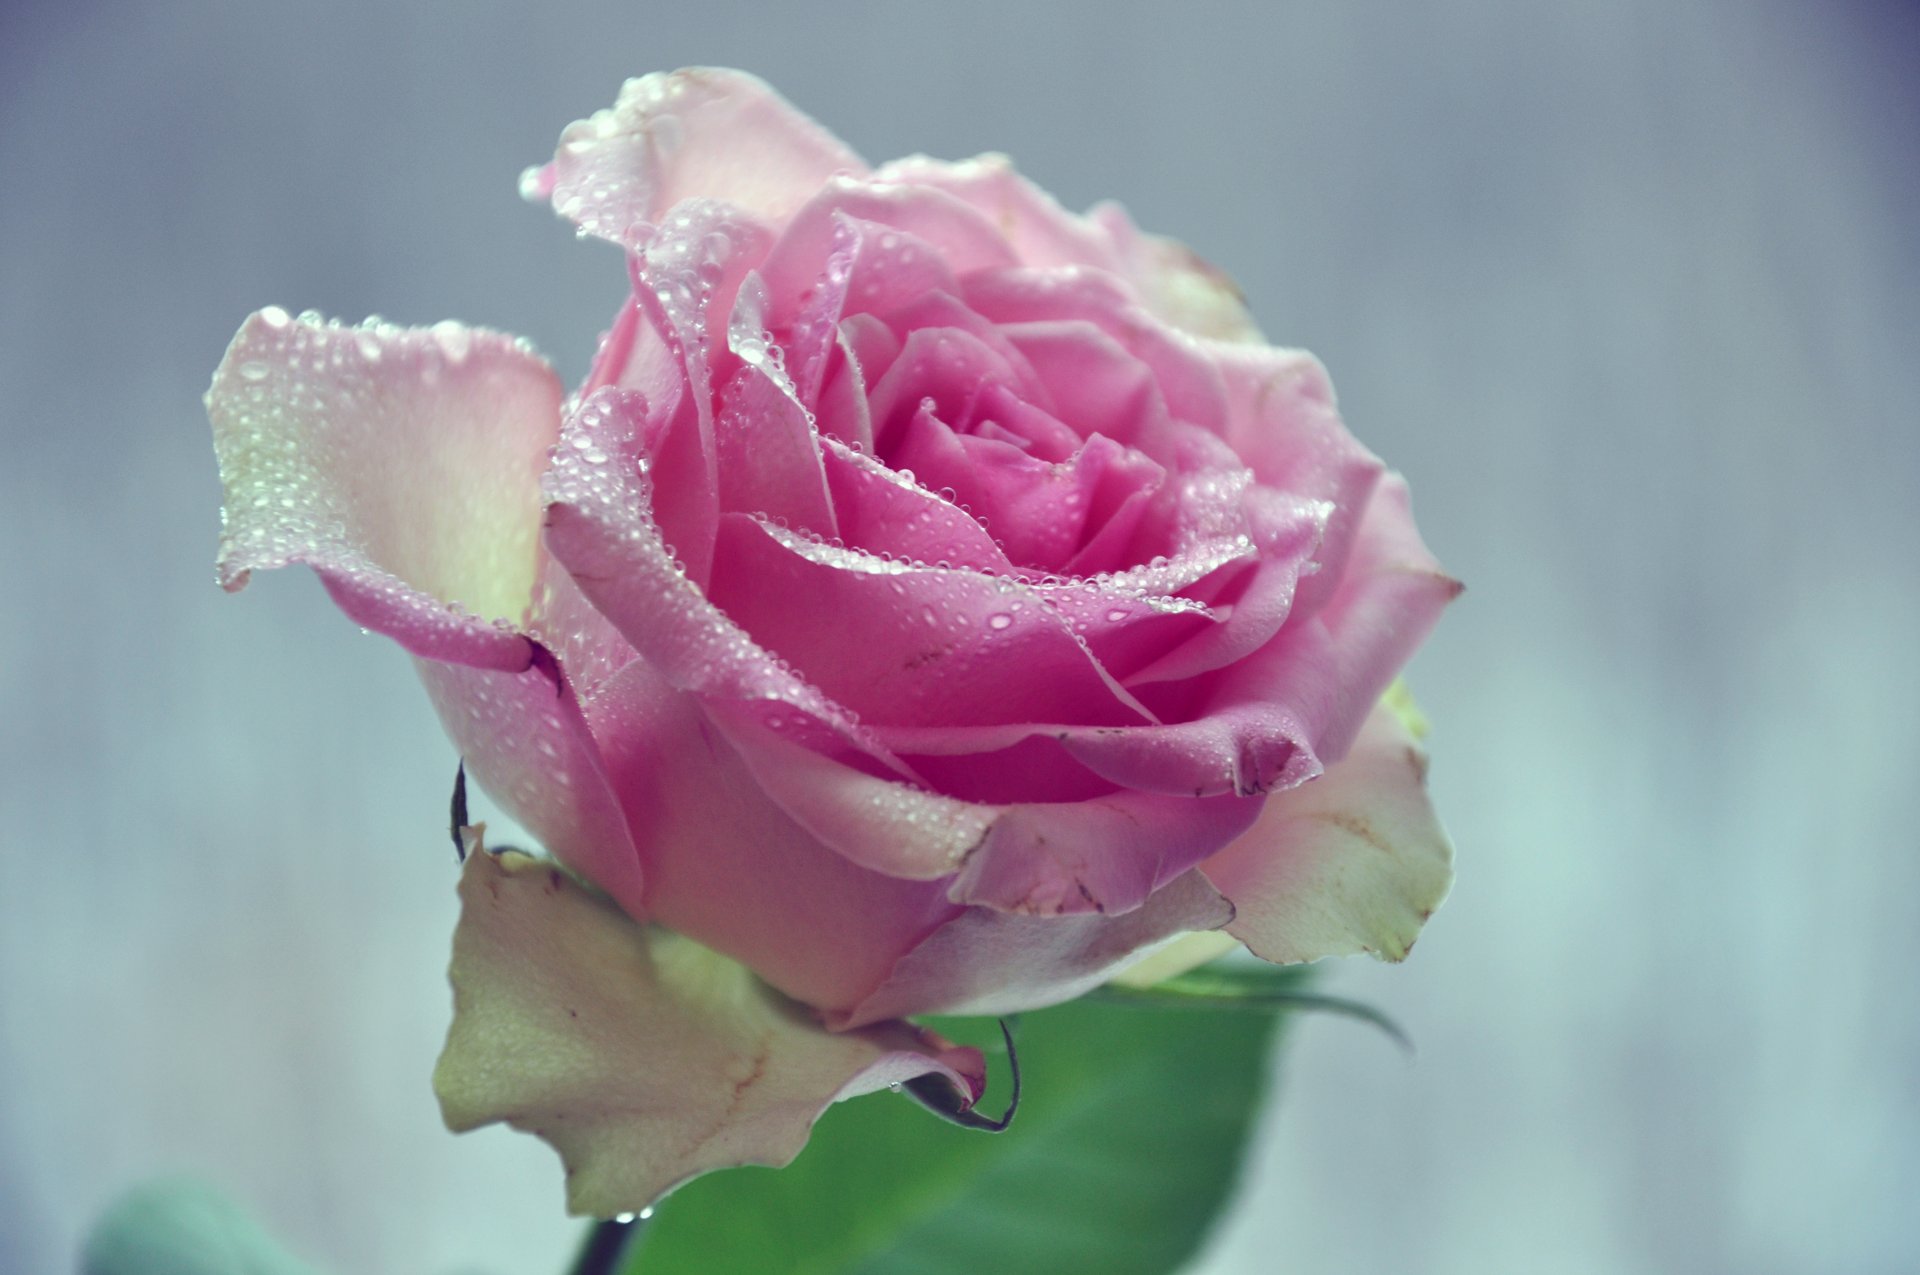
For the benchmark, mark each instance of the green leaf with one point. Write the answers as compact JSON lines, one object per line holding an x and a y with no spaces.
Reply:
{"x":1223,"y":986}
{"x":182,"y":1227}
{"x":1128,"y":1140}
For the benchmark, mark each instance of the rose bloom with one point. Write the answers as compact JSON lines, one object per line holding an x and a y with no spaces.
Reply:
{"x":933,"y":600}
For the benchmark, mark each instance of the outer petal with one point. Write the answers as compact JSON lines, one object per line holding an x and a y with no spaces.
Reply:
{"x":1040,"y":231}
{"x":522,"y":735}
{"x":727,"y":866}
{"x":985,"y":962}
{"x":1105,"y":853}
{"x":1179,"y":285}
{"x":1282,"y":422}
{"x":948,"y":232}
{"x":716,"y":134}
{"x":642,"y":1058}
{"x":403,"y":465}
{"x":1354,"y":861}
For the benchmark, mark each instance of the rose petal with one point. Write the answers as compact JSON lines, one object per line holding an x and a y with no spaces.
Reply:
{"x":1354,"y":861}
{"x":403,"y":465}
{"x":600,"y":526}
{"x":893,"y":828}
{"x":909,"y":644}
{"x":944,"y":233}
{"x":949,"y":367}
{"x":1041,"y":232}
{"x":1104,"y":854}
{"x":1175,"y":957}
{"x":1186,"y":375}
{"x":705,"y":132}
{"x":524,"y":738}
{"x":1099,"y":387}
{"x":769,"y":453}
{"x":1179,"y":285}
{"x":986,"y":962}
{"x":1287,"y":537}
{"x":686,"y":281}
{"x":1274,"y":718}
{"x":642,"y":1058}
{"x":1387,"y":601}
{"x":726,"y":865}
{"x":1282,"y":423}
{"x":881,"y":510}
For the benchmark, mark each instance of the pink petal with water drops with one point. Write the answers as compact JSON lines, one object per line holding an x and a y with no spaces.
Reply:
{"x":1282,"y":422}
{"x":403,"y":465}
{"x":769,"y":453}
{"x":1278,"y":553}
{"x":940,"y":234}
{"x":1389,"y":598}
{"x":686,"y":281}
{"x":702,"y":132}
{"x":600,"y":494}
{"x":912,"y":645}
{"x":524,"y":739}
{"x":1278,"y":717}
{"x":881,"y":511}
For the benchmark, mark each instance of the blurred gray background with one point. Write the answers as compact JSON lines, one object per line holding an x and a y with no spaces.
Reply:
{"x":1631,"y":291}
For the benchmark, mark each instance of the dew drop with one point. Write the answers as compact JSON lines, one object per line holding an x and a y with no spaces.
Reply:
{"x":1000,"y":620}
{"x":454,"y":340}
{"x":253,"y":370}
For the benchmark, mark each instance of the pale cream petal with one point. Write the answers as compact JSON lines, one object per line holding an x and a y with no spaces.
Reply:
{"x":1353,"y":861}
{"x":643,"y":1058}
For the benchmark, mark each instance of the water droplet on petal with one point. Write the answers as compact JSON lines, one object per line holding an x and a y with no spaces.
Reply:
{"x":455,"y":341}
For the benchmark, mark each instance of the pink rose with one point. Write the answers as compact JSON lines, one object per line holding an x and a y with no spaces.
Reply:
{"x":932,"y":600}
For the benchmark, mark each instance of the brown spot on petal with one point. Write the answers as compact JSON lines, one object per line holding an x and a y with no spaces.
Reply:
{"x":1354,"y":826}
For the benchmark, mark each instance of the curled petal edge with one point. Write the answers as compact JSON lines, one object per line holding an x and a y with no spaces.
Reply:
{"x":1353,"y":861}
{"x":641,"y":1057}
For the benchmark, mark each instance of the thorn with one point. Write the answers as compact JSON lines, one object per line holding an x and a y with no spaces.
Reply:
{"x":460,"y":811}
